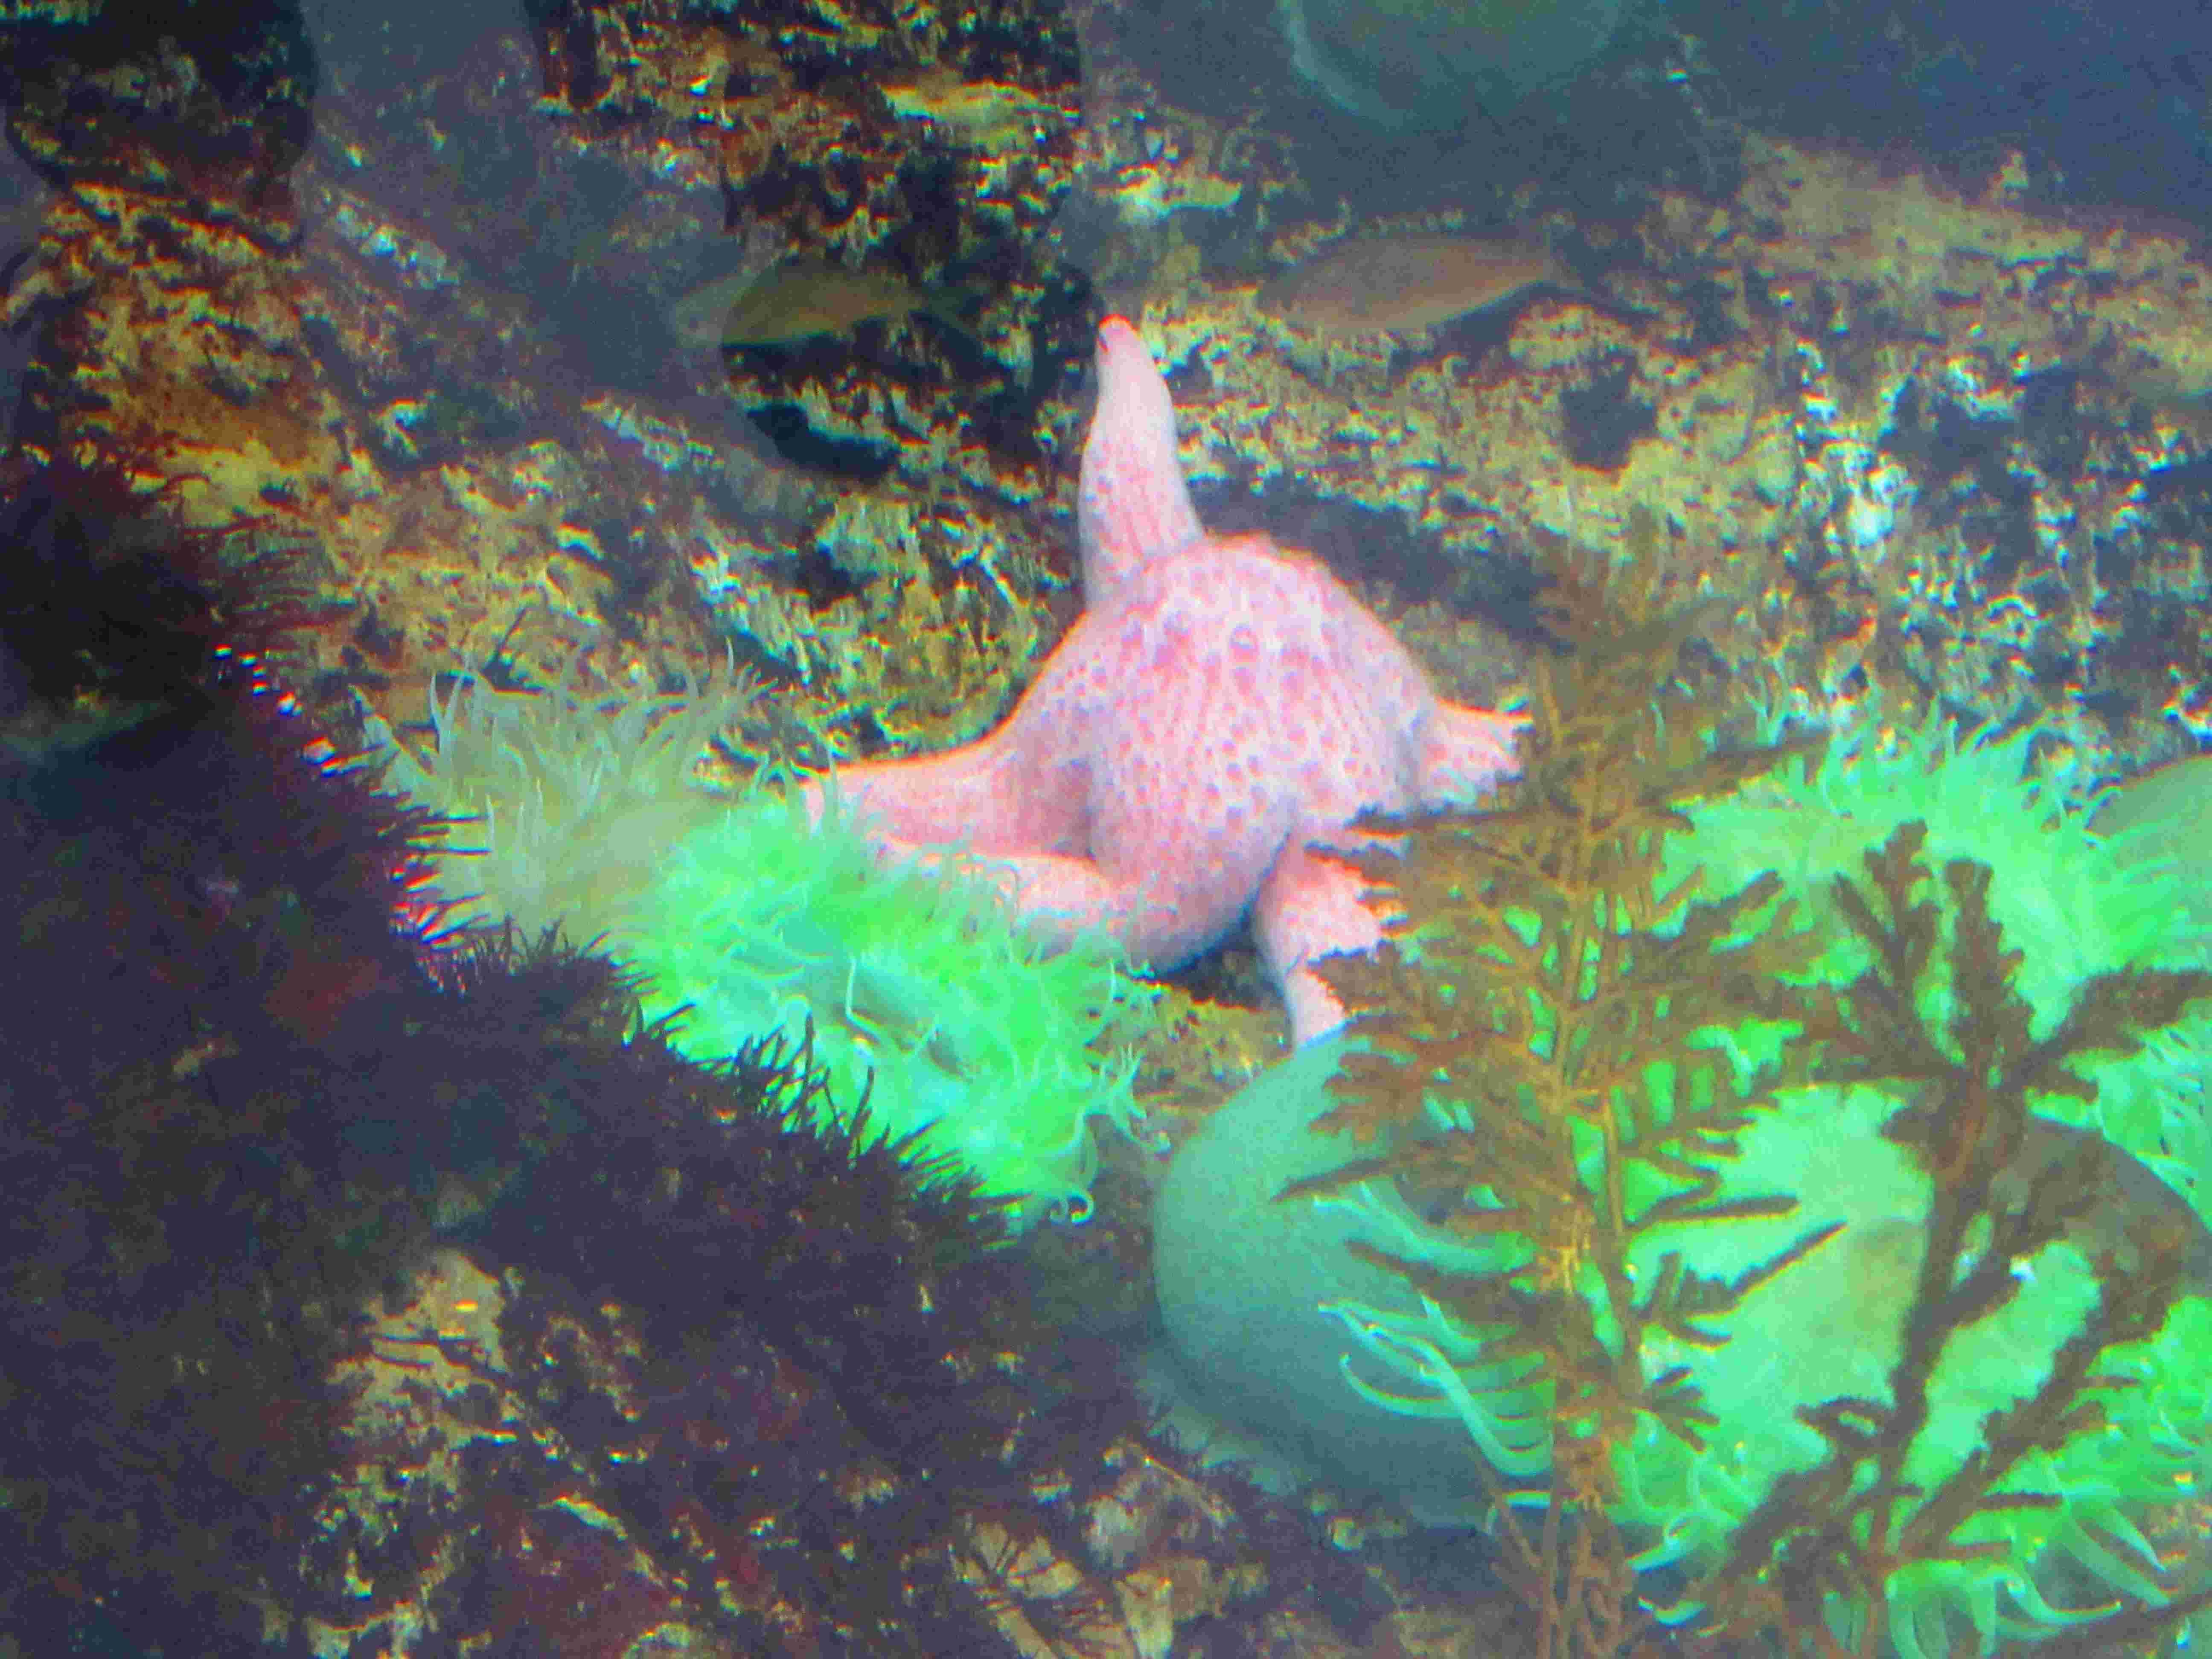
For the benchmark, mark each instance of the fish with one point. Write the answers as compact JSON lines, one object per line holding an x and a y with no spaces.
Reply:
{"x":798,"y":300}
{"x":2133,"y":1193}
{"x":1388,"y":284}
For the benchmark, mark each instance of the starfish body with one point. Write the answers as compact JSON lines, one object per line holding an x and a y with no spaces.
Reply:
{"x":1198,"y":743}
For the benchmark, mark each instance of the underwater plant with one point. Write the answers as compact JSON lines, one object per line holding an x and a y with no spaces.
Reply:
{"x":1813,"y":1294}
{"x":1772,"y":1239}
{"x":2006,"y":1371}
{"x":1260,"y":1291}
{"x":2077,"y":894}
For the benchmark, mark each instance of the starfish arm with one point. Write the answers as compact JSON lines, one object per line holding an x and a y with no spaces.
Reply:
{"x":1464,"y":752}
{"x":1059,"y":896}
{"x":1199,"y":743}
{"x":1311,"y":906}
{"x":1132,"y":504}
{"x":996,"y":795}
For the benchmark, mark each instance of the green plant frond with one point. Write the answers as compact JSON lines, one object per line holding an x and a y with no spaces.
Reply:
{"x":1724,"y":772}
{"x":1990,"y":1019}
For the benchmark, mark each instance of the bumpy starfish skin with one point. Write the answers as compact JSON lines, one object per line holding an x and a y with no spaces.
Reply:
{"x":1132,"y":504}
{"x":1199,"y":742}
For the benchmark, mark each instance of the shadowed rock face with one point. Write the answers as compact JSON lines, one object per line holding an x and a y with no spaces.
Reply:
{"x":214,"y":104}
{"x":296,"y":257}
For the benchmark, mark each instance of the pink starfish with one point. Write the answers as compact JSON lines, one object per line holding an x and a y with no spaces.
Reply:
{"x":1201,"y":741}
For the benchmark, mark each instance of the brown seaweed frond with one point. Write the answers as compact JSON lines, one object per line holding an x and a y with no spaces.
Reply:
{"x":1538,"y":1063}
{"x":1844,"y":1527}
{"x":1614,"y":750}
{"x":1561,"y":997}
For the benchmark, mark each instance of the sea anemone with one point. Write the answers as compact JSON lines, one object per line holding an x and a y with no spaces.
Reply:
{"x":920,"y":989}
{"x":2073,"y":899}
{"x":569,"y":801}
